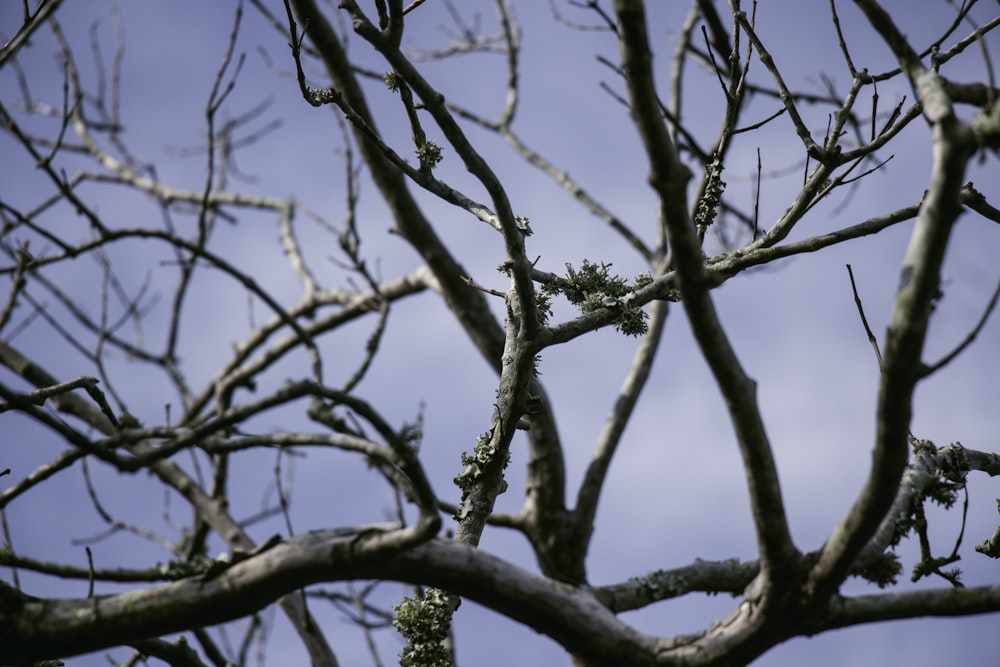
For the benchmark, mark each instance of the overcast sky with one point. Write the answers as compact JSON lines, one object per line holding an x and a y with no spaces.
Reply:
{"x":676,"y":490}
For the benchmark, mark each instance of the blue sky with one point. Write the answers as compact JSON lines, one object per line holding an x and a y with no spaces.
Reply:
{"x":676,"y":489}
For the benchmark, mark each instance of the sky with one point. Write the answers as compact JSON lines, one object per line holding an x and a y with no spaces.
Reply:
{"x":676,"y":489}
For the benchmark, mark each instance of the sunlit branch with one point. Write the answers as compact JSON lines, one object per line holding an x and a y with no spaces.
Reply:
{"x":32,"y":21}
{"x":226,"y":267}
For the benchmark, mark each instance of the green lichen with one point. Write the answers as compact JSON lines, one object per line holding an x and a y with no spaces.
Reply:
{"x":941,"y":485}
{"x":592,"y":287}
{"x":474,"y":467}
{"x":429,"y":154}
{"x":708,"y":205}
{"x":663,"y":584}
{"x":425,"y":622}
{"x":882,"y":571}
{"x":392,"y":81}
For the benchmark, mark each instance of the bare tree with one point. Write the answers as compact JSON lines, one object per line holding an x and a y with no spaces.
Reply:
{"x":176,"y":385}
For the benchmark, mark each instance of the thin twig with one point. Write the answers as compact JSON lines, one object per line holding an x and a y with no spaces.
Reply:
{"x":948,"y":358}
{"x":90,"y":572}
{"x":864,"y":320}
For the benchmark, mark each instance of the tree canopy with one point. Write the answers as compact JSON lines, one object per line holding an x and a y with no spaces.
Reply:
{"x":328,"y":330}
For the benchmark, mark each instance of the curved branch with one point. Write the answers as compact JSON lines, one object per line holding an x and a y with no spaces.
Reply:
{"x":33,"y":629}
{"x":902,"y":366}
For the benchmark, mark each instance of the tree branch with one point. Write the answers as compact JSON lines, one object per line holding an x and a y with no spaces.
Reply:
{"x":469,"y":305}
{"x":668,"y":178}
{"x":904,"y":339}
{"x":847,"y":611}
{"x":213,"y":513}
{"x":32,"y":629}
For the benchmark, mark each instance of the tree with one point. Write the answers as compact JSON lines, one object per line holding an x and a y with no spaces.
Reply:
{"x":317,"y":419}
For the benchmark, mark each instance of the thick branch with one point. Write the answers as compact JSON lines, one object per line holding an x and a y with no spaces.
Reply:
{"x":847,"y":611}
{"x":467,"y":303}
{"x":902,"y":366}
{"x":726,"y":576}
{"x":32,"y":629}
{"x":669,"y":178}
